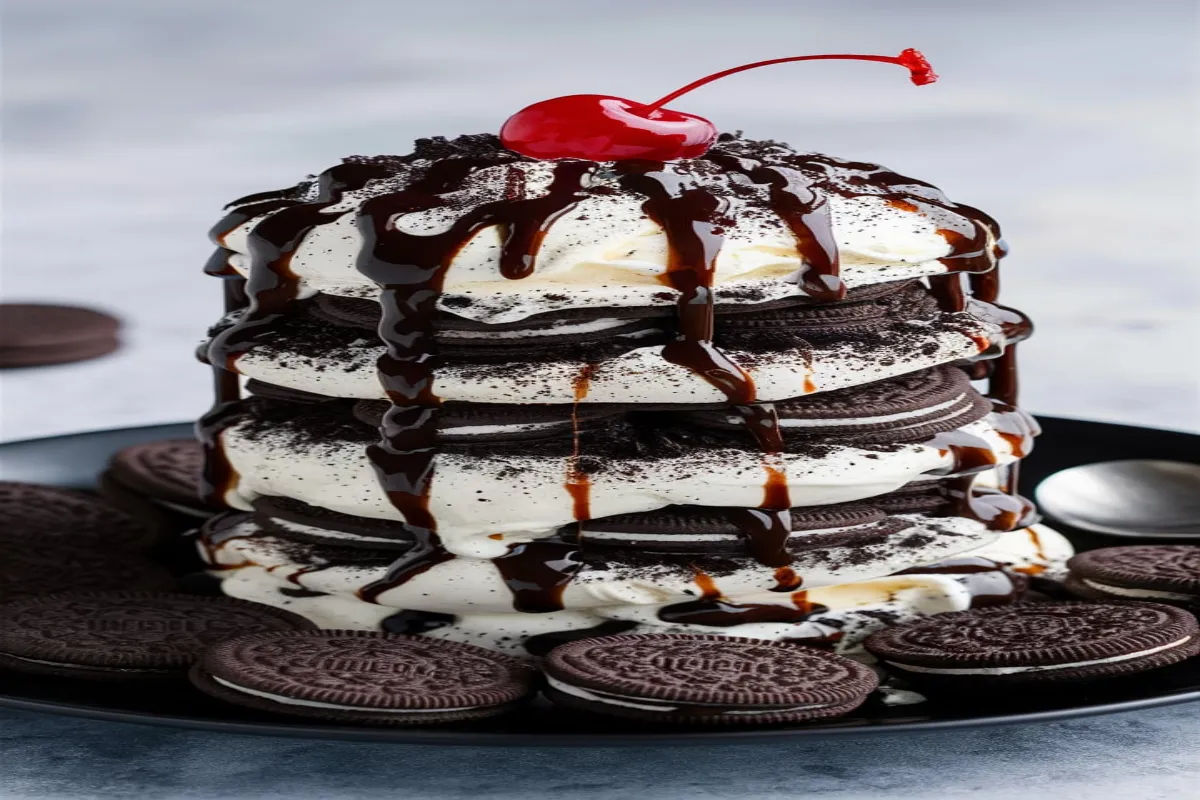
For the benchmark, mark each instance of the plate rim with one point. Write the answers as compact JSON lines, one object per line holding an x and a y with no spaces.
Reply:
{"x":436,"y":736}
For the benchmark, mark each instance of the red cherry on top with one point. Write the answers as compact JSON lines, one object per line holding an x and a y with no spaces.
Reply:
{"x":597,"y":127}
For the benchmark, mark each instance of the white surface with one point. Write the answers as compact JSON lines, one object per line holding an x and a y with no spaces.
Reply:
{"x":130,"y":122}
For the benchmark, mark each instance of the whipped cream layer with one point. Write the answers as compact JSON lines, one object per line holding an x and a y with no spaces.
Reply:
{"x":605,"y":250}
{"x":640,"y":375}
{"x":474,"y":584}
{"x":851,"y":611}
{"x":524,"y":497}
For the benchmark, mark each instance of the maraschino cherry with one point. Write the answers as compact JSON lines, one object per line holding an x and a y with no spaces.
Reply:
{"x":597,"y":127}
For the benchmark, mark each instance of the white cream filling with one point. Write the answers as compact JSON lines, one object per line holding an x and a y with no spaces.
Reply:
{"x":1126,"y":592}
{"x":639,"y":375}
{"x":559,"y":329}
{"x":292,"y":701}
{"x":485,"y":430}
{"x":1040,"y":668}
{"x":473,"y":498}
{"x":606,"y":251}
{"x":882,"y":418}
{"x":699,"y":537}
{"x":661,"y":706}
{"x":326,"y":533}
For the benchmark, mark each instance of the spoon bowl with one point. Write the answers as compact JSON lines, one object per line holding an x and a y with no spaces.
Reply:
{"x":1136,"y":498}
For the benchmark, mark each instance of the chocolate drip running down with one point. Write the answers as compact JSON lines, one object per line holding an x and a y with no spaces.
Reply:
{"x":713,"y":610}
{"x":410,"y":270}
{"x":270,"y":293}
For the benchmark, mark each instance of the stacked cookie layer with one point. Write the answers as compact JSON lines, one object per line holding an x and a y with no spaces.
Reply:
{"x":511,"y":402}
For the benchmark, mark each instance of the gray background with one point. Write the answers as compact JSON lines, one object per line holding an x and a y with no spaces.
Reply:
{"x":128,"y":123}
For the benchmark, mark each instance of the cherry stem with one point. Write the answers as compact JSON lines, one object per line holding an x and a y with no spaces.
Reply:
{"x":919,"y":69}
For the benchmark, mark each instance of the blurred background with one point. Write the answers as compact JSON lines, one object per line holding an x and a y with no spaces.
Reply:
{"x":129,"y":123}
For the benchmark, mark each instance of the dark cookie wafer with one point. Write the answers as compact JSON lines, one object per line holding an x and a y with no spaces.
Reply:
{"x":907,"y":408}
{"x":705,"y":679}
{"x":1162,"y":573}
{"x":308,"y":554}
{"x":363,"y":313}
{"x":293,"y":519}
{"x":364,"y":677}
{"x":125,"y":635}
{"x":33,"y":335}
{"x":167,"y":471}
{"x":683,"y":529}
{"x":33,"y":569}
{"x":33,"y":514}
{"x":1039,"y":643}
{"x":478,"y":423}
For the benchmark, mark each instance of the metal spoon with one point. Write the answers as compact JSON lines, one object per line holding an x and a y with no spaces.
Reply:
{"x":1142,"y":498}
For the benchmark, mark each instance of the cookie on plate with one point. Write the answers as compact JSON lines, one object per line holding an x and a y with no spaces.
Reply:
{"x":703,"y":679}
{"x":34,"y":569}
{"x":1161,"y":573}
{"x":1038,"y":643}
{"x":125,"y":635}
{"x":364,"y":677}
{"x":33,"y":514}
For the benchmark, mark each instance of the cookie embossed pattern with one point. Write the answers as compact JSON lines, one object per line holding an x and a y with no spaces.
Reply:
{"x":504,"y":394}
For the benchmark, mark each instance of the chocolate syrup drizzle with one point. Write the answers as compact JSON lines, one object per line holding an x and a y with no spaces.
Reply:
{"x":410,"y":270}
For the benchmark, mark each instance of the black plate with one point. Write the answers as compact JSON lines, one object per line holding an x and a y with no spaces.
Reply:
{"x":75,"y":460}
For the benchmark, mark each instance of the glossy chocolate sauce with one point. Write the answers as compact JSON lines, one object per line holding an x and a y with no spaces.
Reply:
{"x":713,"y":610}
{"x":410,"y":270}
{"x":537,"y":574}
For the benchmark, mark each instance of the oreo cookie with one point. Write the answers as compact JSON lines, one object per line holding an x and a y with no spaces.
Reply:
{"x":167,"y":472}
{"x":293,"y":519}
{"x":704,"y":679}
{"x":364,"y":677}
{"x":33,"y":569}
{"x":796,"y":325}
{"x":703,"y":529}
{"x":47,"y":516}
{"x":34,"y":335}
{"x":482,"y":423}
{"x":907,"y":408}
{"x":1042,"y":643}
{"x":1162,"y":573}
{"x":365,"y":313}
{"x":125,"y":635}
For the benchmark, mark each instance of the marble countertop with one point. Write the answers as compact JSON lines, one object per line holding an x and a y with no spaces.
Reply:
{"x":128,"y":123}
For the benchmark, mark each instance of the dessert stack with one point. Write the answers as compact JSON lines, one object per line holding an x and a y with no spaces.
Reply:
{"x":513,"y":402}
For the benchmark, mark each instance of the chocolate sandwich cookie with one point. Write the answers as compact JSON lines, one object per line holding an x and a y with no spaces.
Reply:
{"x":167,"y":472}
{"x":36,"y":569}
{"x":1162,"y":573}
{"x":794,"y":325}
{"x":34,"y":335}
{"x":125,"y":635}
{"x":308,"y":553}
{"x":1040,"y":643}
{"x":358,"y":312}
{"x":482,"y":423}
{"x":705,"y":679}
{"x":703,"y":529}
{"x":293,"y":519}
{"x":908,"y":408}
{"x":364,"y":677}
{"x":32,"y":514}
